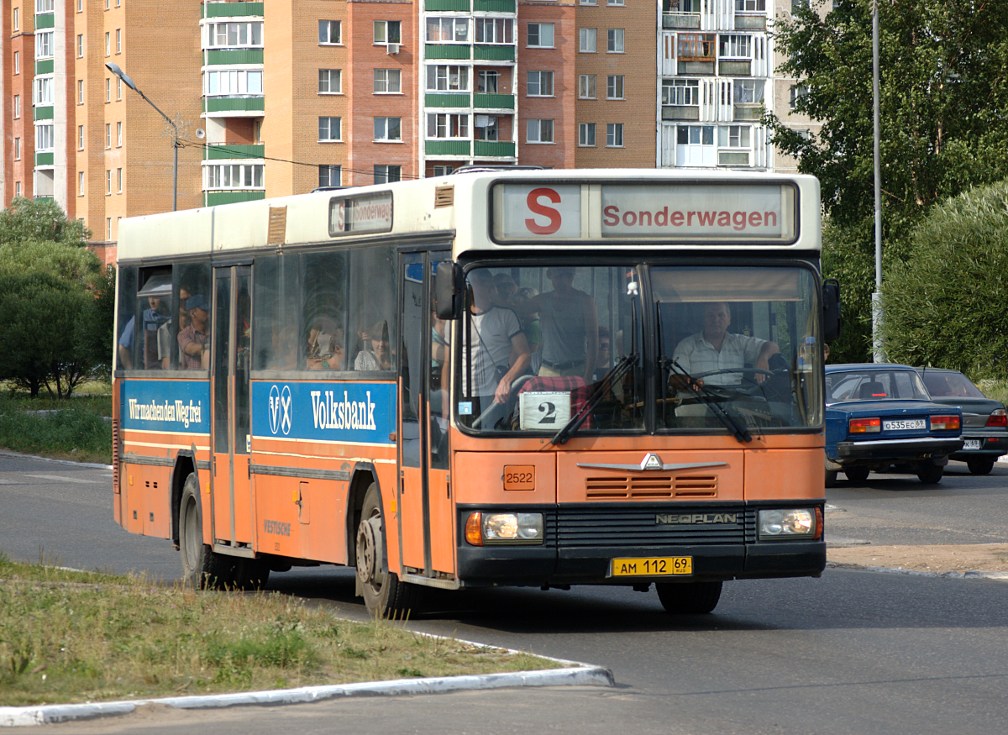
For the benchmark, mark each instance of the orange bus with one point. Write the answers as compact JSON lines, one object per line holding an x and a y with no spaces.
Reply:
{"x":527,"y":377}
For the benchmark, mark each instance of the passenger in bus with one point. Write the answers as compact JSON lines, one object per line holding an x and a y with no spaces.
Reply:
{"x":324,"y":350}
{"x":164,"y":338}
{"x":569,"y":327}
{"x":375,"y":354}
{"x":193,"y":343}
{"x":715,"y":348}
{"x":154,"y":316}
{"x":497,"y":346}
{"x":604,"y":359}
{"x":125,"y":346}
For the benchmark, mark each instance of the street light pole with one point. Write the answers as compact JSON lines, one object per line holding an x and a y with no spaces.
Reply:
{"x":878,"y":348}
{"x":128,"y":81}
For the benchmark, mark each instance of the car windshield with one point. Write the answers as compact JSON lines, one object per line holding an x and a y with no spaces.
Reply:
{"x":563,"y":349}
{"x":874,"y":385}
{"x":942,"y":384}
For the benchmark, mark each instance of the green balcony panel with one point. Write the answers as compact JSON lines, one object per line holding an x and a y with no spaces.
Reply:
{"x":234,"y":57}
{"x":43,"y":113}
{"x":434,"y":6}
{"x":45,"y":66}
{"x":494,"y":6}
{"x":494,"y":101}
{"x":448,"y":99}
{"x":232,"y":10}
{"x":44,"y":159}
{"x":214,"y":198}
{"x":44,"y":21}
{"x":235,"y":104}
{"x":234,"y":151}
{"x":447,"y":148}
{"x":495,"y":149}
{"x":486,"y":52}
{"x":447,"y":51}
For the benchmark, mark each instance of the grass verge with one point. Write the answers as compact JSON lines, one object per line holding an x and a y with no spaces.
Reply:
{"x":68,"y":636}
{"x":78,"y":428}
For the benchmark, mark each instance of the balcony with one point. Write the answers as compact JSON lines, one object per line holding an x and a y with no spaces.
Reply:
{"x":494,"y":52}
{"x":232,"y":151}
{"x":448,"y":148}
{"x":233,"y":10}
{"x":449,"y":51}
{"x":494,"y":6}
{"x":681,"y":21}
{"x":234,"y":57}
{"x":214,"y":198}
{"x":442,"y":6}
{"x":494,"y":102}
{"x":237,"y":106}
{"x":494,"y":149}
{"x":448,"y":99}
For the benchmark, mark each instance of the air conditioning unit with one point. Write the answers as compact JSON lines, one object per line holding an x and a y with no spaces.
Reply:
{"x":392,"y":48}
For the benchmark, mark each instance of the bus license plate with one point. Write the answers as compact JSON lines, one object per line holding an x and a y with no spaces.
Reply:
{"x":652,"y":566}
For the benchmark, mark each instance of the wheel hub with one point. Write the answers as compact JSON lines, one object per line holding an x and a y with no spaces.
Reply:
{"x":369,"y":566}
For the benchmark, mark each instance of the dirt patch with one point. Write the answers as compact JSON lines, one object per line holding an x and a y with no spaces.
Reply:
{"x":935,"y":559}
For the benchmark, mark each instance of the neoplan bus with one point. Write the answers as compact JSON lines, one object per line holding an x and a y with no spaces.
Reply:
{"x":480,"y":380}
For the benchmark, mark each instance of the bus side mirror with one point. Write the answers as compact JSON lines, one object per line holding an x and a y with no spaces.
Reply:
{"x":831,"y":309}
{"x":447,"y":290}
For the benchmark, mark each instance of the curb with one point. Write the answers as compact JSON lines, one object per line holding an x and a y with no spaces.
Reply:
{"x":991,"y":576}
{"x":582,"y":675}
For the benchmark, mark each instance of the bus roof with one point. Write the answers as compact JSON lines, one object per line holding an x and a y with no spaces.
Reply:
{"x":500,"y":209}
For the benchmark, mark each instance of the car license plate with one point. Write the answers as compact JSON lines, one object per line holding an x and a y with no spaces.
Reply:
{"x":652,"y":566}
{"x":904,"y":424}
{"x":971,"y":444}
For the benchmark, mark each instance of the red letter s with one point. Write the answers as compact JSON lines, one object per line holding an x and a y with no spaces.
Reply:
{"x":537,"y":207}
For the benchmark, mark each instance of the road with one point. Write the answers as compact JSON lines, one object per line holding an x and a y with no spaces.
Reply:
{"x":853,"y":652}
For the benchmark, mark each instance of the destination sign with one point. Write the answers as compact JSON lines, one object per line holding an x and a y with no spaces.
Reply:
{"x":360,"y":214}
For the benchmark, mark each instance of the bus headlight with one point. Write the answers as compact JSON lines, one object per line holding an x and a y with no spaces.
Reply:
{"x":790,"y":523}
{"x":504,"y":528}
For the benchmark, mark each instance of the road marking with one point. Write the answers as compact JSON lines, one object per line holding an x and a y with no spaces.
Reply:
{"x":62,"y":478}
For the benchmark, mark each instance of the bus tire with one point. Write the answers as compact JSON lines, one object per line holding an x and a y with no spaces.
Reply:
{"x":689,"y":598}
{"x":384,"y":595}
{"x":251,"y":574}
{"x":202,"y":569}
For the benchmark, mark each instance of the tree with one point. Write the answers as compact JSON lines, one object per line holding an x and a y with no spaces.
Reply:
{"x":40,"y":220}
{"x":945,"y":304}
{"x":944,"y":104}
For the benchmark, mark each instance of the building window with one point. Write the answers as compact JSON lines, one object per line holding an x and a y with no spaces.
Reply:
{"x":80,"y":137}
{"x":80,"y":45}
{"x":747,"y":91}
{"x":16,"y":20}
{"x":118,"y":40}
{"x":750,"y":6}
{"x":119,"y":127}
{"x":443,"y":125}
{"x":442,"y":169}
{"x":615,"y":2}
{"x":43,"y":91}
{"x":108,"y":43}
{"x":17,"y":188}
{"x":108,"y":228}
{"x":487,"y":127}
{"x":388,"y":129}
{"x":614,"y":135}
{"x":43,"y":137}
{"x":614,"y":87}
{"x":329,"y":129}
{"x":734,"y":136}
{"x":587,"y":2}
{"x":119,"y":180}
{"x":108,"y":135}
{"x":539,"y":131}
{"x":797,"y":93}
{"x":329,"y":33}
{"x":16,"y":107}
{"x":387,"y":31}
{"x":680,"y":92}
{"x":80,"y":91}
{"x":330,"y":81}
{"x":614,"y":40}
{"x":540,"y":35}
{"x":387,"y":81}
{"x":108,"y":90}
{"x":242,"y":34}
{"x":447,"y":78}
{"x":586,"y":135}
{"x":44,"y":6}
{"x":80,"y":6}
{"x":495,"y":30}
{"x":587,"y":39}
{"x":17,"y":62}
{"x":487,"y":81}
{"x":233,"y":176}
{"x":329,"y":176}
{"x":447,"y":30}
{"x":80,"y":183}
{"x":119,"y":86}
{"x":108,"y":182}
{"x":385,"y":174}
{"x":735,"y":46}
{"x":17,"y":149}
{"x":540,"y":84}
{"x":227,"y":82}
{"x":43,"y":44}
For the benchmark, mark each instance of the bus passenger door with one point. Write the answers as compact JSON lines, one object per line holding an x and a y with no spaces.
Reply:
{"x":231,"y":496}
{"x":425,"y":516}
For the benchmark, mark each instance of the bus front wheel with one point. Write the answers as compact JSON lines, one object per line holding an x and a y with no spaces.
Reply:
{"x":201,"y":568}
{"x":689,"y":598}
{"x":384,"y":595}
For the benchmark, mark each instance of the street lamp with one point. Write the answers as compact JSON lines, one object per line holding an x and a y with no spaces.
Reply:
{"x":128,"y":81}
{"x":878,"y":348}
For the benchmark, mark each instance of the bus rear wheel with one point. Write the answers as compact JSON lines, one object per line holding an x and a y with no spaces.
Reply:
{"x":202,"y":569}
{"x":688,"y":598}
{"x":384,"y":595}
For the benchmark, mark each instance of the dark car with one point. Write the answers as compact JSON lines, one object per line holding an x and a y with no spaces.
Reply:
{"x":879,"y":418}
{"x":985,"y":421}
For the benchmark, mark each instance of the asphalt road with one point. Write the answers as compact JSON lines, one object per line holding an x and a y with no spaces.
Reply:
{"x":853,"y":652}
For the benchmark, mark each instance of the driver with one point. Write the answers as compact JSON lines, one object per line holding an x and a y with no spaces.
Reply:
{"x":715,"y":348}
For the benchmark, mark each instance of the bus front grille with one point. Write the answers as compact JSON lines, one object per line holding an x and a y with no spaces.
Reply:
{"x":655,"y":525}
{"x":604,"y":487}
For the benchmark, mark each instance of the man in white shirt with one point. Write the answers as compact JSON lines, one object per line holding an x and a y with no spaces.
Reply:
{"x":718,"y":349}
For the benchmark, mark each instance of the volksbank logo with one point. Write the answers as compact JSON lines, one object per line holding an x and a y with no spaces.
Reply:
{"x":280,"y":410}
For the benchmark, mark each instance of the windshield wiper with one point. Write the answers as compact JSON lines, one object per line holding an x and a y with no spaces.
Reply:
{"x":602,"y":388}
{"x":741,"y":433}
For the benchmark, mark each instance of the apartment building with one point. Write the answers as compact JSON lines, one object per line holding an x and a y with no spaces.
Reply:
{"x":124,"y":107}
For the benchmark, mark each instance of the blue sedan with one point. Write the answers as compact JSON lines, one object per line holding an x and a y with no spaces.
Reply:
{"x":879,"y":417}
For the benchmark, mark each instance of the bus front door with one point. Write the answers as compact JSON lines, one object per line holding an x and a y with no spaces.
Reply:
{"x":231,"y":497}
{"x":426,"y":536}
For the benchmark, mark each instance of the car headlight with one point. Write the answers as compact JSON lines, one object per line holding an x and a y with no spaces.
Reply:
{"x":504,"y":528}
{"x":789,"y":523}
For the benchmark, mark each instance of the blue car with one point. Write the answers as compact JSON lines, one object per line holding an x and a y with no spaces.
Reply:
{"x":880,"y":417}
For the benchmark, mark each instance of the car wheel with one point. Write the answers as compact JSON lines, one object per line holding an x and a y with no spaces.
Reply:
{"x":831,"y":478}
{"x":930,"y":474}
{"x":857,"y":474}
{"x":688,"y":598}
{"x":980,"y":466}
{"x":384,"y":595}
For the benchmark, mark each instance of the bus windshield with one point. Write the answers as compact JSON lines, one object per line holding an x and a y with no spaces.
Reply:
{"x":633,"y":347}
